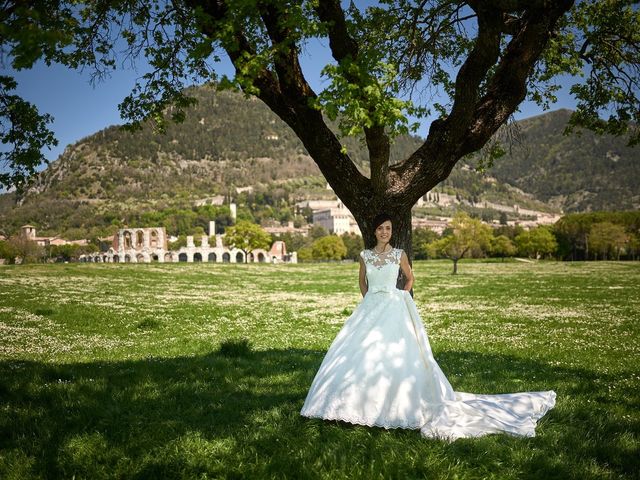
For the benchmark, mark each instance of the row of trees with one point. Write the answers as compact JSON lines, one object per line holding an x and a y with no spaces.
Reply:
{"x":20,"y":249}
{"x":469,"y":237}
{"x":592,"y":236}
{"x":598,"y":235}
{"x":607,"y":236}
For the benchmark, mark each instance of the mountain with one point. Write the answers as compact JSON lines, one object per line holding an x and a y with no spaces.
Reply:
{"x":226,"y":140}
{"x":579,"y":172}
{"x":114,"y":176}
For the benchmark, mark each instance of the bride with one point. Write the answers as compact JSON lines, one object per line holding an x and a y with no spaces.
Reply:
{"x":379,"y":370}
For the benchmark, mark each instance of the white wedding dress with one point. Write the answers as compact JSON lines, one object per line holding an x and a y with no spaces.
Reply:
{"x":379,"y":371}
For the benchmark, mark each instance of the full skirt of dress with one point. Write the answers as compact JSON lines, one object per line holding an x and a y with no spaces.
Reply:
{"x":380,"y":371}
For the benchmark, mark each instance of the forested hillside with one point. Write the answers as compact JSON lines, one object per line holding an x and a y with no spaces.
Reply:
{"x":578,"y":172}
{"x":116,"y":177}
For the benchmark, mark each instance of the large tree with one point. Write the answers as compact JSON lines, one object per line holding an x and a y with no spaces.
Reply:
{"x":607,"y":238}
{"x":247,"y":236}
{"x":537,"y":242}
{"x":479,"y":59}
{"x":465,"y":235}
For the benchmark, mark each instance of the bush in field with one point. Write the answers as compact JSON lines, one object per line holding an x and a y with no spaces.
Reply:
{"x":536,"y":243}
{"x":27,"y":250}
{"x":501,"y":246}
{"x":65,"y":253}
{"x":330,"y":247}
{"x":305,"y":254}
{"x":354,"y":244}
{"x":420,"y":239}
{"x":7,"y":252}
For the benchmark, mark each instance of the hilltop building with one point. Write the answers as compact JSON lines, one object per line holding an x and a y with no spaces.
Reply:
{"x":332,"y":215}
{"x":277,"y":229}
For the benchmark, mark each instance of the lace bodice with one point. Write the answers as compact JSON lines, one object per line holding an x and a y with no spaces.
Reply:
{"x":382,"y":268}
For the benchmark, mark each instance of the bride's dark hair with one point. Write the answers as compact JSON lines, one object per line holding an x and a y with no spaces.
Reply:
{"x":377,"y":221}
{"x":380,"y":219}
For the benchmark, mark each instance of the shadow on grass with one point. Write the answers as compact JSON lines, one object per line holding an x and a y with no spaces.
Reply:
{"x":237,"y":416}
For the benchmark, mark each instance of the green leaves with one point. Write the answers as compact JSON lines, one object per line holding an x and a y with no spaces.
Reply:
{"x":24,"y":130}
{"x":467,"y":234}
{"x":330,"y":247}
{"x":599,"y":41}
{"x":536,"y":242}
{"x":247,"y":236}
{"x":398,"y":48}
{"x":362,"y":95}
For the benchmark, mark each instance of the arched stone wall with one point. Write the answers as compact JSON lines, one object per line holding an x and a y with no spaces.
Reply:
{"x":145,"y":245}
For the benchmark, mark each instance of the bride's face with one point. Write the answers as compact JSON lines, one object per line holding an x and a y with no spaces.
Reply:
{"x":383,"y":232}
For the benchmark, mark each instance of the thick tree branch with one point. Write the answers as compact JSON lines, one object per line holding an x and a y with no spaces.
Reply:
{"x":511,"y":24}
{"x":474,"y":120}
{"x":341,"y":43}
{"x":287,"y":66}
{"x":482,"y":57}
{"x":508,"y":86}
{"x":509,"y":5}
{"x":344,"y":47}
{"x":433,"y":161}
{"x":287,"y":94}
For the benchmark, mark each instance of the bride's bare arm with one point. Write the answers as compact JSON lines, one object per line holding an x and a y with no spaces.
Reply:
{"x":407,"y":272}
{"x":363,"y":278}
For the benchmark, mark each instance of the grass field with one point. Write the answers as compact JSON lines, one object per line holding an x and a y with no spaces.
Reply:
{"x":199,"y":371}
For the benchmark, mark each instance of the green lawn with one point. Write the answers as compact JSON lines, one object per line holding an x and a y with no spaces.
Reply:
{"x":143,"y":371}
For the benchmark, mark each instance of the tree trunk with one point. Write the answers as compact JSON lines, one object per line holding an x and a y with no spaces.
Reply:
{"x":586,"y":247}
{"x":455,"y":266}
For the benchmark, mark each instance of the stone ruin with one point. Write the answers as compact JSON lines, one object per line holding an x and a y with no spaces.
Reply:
{"x":147,"y":245}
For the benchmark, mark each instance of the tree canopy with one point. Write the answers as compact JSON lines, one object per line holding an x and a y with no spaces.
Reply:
{"x":330,"y":247}
{"x":247,"y":236}
{"x":465,"y":235}
{"x":469,"y":63}
{"x":537,"y":242}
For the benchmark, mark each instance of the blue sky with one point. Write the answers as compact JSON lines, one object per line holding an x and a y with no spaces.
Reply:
{"x":81,"y":109}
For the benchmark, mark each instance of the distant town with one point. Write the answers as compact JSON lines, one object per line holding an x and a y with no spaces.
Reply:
{"x":151,"y":243}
